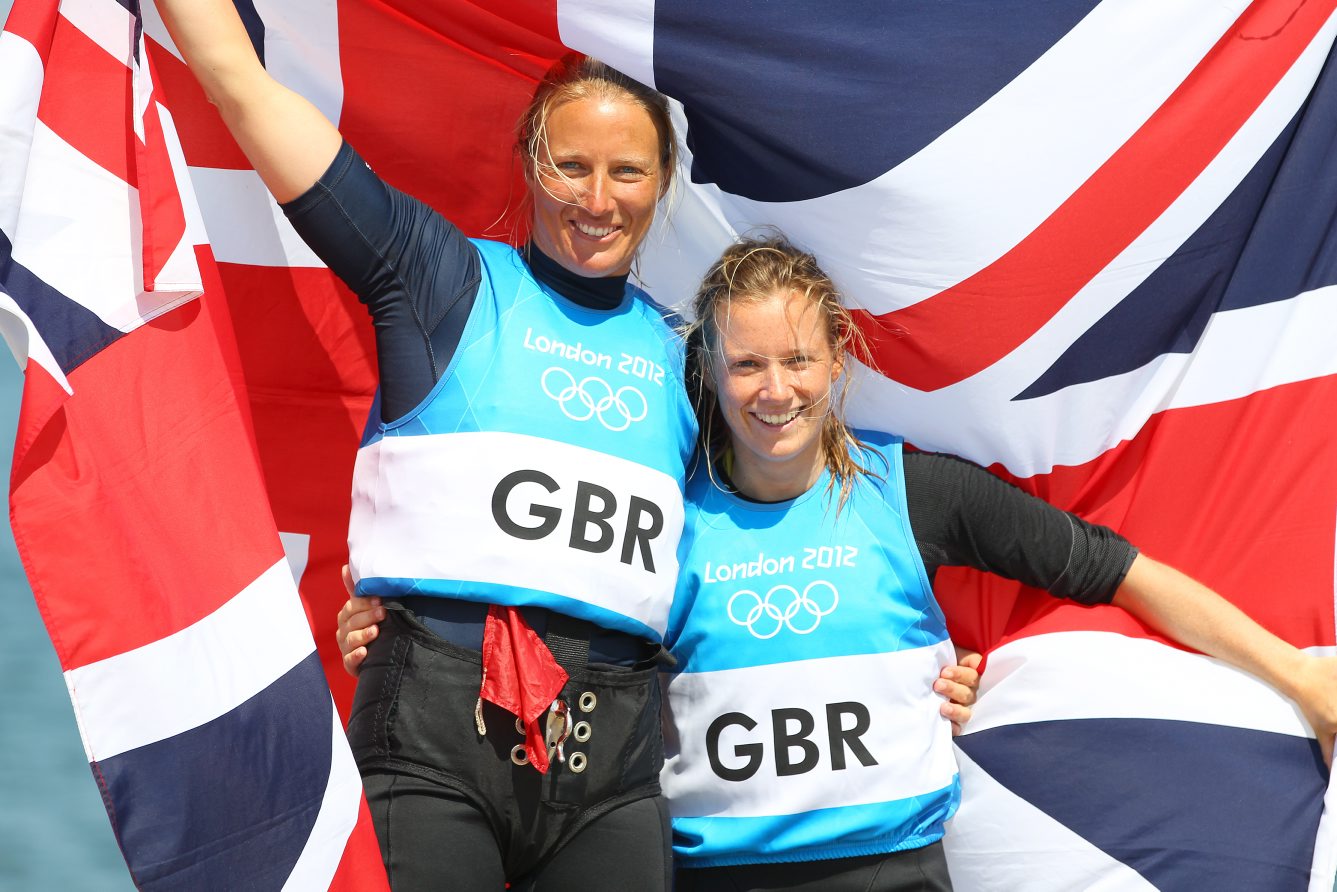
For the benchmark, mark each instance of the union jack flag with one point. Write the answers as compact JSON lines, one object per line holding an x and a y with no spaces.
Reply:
{"x":136,"y":498}
{"x":1093,"y":248}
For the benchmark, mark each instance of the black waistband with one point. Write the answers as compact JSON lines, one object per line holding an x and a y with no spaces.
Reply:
{"x":461,"y":623}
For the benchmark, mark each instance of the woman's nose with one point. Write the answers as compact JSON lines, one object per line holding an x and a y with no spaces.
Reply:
{"x":776,"y":384}
{"x":598,"y":198}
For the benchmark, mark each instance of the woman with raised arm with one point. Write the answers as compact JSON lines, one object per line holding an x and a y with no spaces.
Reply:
{"x":518,"y":493}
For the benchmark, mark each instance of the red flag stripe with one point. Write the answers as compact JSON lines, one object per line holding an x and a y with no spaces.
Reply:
{"x":360,"y":868}
{"x":204,"y":139}
{"x":968,"y":327}
{"x":149,"y":488}
{"x":307,"y":317}
{"x":405,"y":132}
{"x":162,"y":217}
{"x":35,"y":23}
{"x":85,"y":99}
{"x":1235,"y":510}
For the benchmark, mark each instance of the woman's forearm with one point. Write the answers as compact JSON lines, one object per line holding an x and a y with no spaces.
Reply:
{"x":1192,"y":614}
{"x":1184,"y":609}
{"x":286,"y":138}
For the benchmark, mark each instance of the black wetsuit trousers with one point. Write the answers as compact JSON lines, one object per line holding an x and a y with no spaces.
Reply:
{"x":453,"y":811}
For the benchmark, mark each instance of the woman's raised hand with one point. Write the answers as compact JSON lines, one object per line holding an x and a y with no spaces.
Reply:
{"x":288,"y":141}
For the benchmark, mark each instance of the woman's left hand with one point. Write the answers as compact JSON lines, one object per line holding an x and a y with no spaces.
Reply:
{"x":1316,"y":695}
{"x":960,"y":684}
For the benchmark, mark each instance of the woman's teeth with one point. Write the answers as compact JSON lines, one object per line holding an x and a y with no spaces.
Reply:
{"x":595,"y":231}
{"x":778,"y":419}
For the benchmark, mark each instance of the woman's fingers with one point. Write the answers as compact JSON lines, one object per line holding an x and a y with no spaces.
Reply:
{"x":358,"y":619}
{"x":960,"y":694}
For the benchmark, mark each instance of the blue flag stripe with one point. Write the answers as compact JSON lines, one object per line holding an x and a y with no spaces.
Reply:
{"x":806,"y":98}
{"x":72,"y":331}
{"x":262,"y":769}
{"x":255,"y":26}
{"x":1112,"y":780}
{"x":1271,"y":240}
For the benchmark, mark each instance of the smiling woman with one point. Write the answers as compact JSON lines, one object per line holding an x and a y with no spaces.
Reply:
{"x":524,"y":389}
{"x":807,"y":748}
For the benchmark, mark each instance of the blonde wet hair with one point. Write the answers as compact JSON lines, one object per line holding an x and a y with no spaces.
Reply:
{"x":752,"y":270}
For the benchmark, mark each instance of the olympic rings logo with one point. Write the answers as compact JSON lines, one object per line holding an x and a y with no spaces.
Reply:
{"x":780,"y":607}
{"x":594,"y":397}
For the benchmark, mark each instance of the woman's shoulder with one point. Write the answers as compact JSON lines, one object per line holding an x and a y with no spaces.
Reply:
{"x":659,"y":315}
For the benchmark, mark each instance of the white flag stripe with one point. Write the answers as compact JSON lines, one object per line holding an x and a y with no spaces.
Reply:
{"x":182,"y":271}
{"x":618,"y":32}
{"x":129,"y":700}
{"x":1226,"y":365}
{"x":1088,"y":419}
{"x":75,"y":231}
{"x":244,"y":223}
{"x":21,"y":78}
{"x":155,"y":29}
{"x":1029,"y":680}
{"x":302,"y":50}
{"x":688,"y":233}
{"x":994,"y":825}
{"x":324,"y":848}
{"x":91,"y":256}
{"x":1047,"y":132}
{"x":297,"y":551}
{"x":105,"y":22}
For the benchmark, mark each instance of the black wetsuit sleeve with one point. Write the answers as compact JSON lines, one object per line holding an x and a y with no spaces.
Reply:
{"x":415,"y":271}
{"x":963,"y":516}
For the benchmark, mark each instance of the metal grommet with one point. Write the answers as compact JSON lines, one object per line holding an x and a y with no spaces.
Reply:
{"x":520,"y":726}
{"x":576,"y":762}
{"x":582,"y":731}
{"x":518,"y":754}
{"x":587,"y":701}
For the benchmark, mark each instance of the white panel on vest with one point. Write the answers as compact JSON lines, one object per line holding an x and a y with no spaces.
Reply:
{"x":521,"y":511}
{"x":855,"y":731}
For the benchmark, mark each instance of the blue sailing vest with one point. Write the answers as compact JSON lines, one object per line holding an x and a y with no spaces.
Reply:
{"x":545,"y":467}
{"x":803,"y":722}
